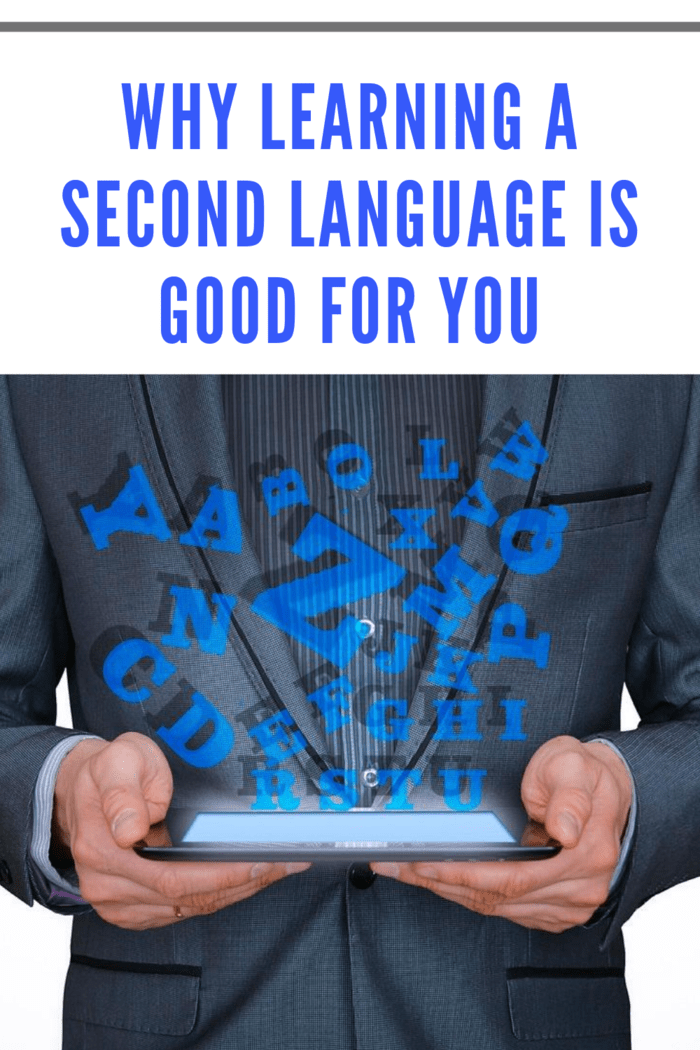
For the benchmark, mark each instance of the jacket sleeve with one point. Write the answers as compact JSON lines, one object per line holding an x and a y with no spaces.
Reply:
{"x":663,"y":677}
{"x":35,"y":648}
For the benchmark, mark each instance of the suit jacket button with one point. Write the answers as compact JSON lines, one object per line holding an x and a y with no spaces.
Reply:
{"x":361,"y":876}
{"x":5,"y":873}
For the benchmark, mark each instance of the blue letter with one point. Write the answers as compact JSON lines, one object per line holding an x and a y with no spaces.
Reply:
{"x":143,"y":115}
{"x":299,"y":115}
{"x":349,"y":480}
{"x":336,"y":104}
{"x":550,"y":213}
{"x":445,"y":609}
{"x":124,"y":657}
{"x":175,"y":186}
{"x":271,"y":782}
{"x":544,"y":528}
{"x":500,"y":121}
{"x":243,"y":238}
{"x":561,"y":104}
{"x":291,"y":605}
{"x":267,"y":140}
{"x":402,"y":310}
{"x":371,"y":119}
{"x":189,"y":727}
{"x":514,"y":719}
{"x":274,"y":286}
{"x":359,"y":335}
{"x":416,"y":121}
{"x":480,"y":310}
{"x":402,"y":217}
{"x":222,"y":108}
{"x":398,"y":726}
{"x":476,"y":506}
{"x":521,"y":454}
{"x":509,"y":638}
{"x":135,"y":238}
{"x":122,"y":515}
{"x":329,"y":308}
{"x":285,"y":490}
{"x":463,"y":109}
{"x":167,"y":314}
{"x":414,"y":537}
{"x":456,"y":719}
{"x":441,"y":238}
{"x":69,"y":238}
{"x":396,"y":662}
{"x":237,"y":310}
{"x":217,"y":216}
{"x":432,"y":454}
{"x":451,"y":668}
{"x":595,"y":213}
{"x":104,"y":213}
{"x":334,"y":202}
{"x":400,"y":779}
{"x":298,"y":240}
{"x":217,"y":309}
{"x":482,"y":202}
{"x":624,"y":213}
{"x":453,"y":788}
{"x":341,"y":784}
{"x":453,"y":304}
{"x":275,"y":742}
{"x":331,"y":702}
{"x":191,"y":607}
{"x":180,"y":115}
{"x":516,"y":310}
{"x":219,"y":514}
{"x":513,"y":218}
{"x":377,"y":216}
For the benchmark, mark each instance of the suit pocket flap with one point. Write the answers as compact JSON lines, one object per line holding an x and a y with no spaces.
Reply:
{"x":595,"y":510}
{"x":137,"y":997}
{"x":567,"y":1004}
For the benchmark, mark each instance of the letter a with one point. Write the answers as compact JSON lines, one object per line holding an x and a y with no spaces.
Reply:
{"x":123,"y":515}
{"x":561,"y":104}
{"x":219,"y":514}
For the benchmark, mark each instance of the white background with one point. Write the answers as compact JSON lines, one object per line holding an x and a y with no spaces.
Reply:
{"x":604,"y":309}
{"x":371,"y":10}
{"x":98,"y":308}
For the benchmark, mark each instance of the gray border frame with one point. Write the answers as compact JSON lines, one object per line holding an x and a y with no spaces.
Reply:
{"x":349,"y":27}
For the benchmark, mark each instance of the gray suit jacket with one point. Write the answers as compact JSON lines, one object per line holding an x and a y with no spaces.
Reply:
{"x":313,"y":962}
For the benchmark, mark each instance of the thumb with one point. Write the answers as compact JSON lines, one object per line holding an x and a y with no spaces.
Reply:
{"x":558,"y":789}
{"x":135,"y":786}
{"x":568,"y":812}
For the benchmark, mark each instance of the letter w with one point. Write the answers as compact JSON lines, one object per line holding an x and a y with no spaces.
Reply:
{"x":143,"y":115}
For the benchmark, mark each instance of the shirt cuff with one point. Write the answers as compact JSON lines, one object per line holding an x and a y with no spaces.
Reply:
{"x":631,"y":820}
{"x":62,"y":886}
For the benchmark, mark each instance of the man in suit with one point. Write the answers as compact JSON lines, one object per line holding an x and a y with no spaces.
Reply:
{"x":573,"y":569}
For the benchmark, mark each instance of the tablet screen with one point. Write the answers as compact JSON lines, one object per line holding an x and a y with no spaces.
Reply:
{"x":357,"y":828}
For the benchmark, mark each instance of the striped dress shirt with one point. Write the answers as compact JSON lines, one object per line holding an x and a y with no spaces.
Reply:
{"x":385,"y":458}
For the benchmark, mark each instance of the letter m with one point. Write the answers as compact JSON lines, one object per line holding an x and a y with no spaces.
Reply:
{"x":143,"y":114}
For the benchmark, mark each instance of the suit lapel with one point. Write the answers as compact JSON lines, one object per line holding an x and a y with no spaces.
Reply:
{"x":507,"y":402}
{"x":181,"y":421}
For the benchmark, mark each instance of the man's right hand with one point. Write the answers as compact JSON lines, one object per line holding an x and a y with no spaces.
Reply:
{"x":107,"y":797}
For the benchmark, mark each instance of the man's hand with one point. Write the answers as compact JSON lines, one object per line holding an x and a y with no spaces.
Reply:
{"x":107,"y":797}
{"x":582,"y":794}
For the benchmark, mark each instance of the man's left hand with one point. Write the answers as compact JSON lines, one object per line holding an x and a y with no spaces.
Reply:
{"x":581,"y":793}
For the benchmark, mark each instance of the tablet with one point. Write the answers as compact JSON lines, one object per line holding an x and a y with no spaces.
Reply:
{"x":351,"y":835}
